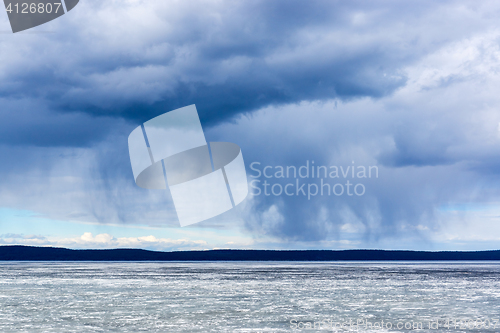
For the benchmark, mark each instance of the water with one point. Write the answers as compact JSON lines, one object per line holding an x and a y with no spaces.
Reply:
{"x":247,"y":297}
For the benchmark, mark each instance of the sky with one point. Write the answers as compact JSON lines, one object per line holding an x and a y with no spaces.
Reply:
{"x":408,"y":88}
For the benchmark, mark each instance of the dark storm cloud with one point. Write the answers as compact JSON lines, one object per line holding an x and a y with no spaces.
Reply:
{"x":28,"y":122}
{"x":227,"y":58}
{"x":139,"y":59}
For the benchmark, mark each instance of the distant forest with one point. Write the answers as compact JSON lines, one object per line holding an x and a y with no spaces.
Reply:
{"x":31,"y":253}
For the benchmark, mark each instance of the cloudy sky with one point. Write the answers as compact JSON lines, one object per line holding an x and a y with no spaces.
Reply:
{"x":409,"y":87}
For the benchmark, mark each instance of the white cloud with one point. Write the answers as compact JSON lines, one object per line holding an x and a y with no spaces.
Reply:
{"x":106,"y":241}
